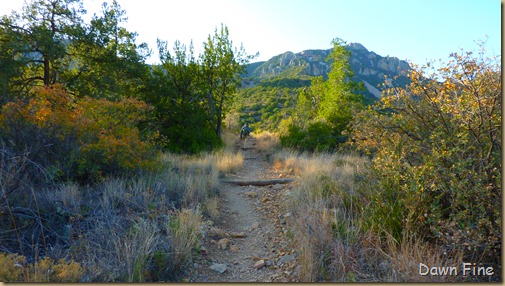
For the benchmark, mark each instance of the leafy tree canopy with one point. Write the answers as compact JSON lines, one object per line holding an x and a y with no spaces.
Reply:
{"x":324,"y":111}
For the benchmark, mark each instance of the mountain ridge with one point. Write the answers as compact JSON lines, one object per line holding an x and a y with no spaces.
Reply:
{"x":368,"y":67}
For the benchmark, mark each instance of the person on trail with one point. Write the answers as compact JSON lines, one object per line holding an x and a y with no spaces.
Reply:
{"x":244,"y":132}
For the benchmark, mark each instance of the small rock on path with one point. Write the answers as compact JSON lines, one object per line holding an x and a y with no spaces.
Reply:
{"x":247,"y":244}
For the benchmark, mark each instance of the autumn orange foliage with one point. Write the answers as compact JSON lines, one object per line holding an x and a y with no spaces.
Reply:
{"x":78,"y":138}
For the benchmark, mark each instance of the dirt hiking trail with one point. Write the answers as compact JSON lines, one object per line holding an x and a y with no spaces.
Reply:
{"x":251,"y":241}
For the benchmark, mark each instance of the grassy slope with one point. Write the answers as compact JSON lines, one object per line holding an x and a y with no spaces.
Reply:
{"x":137,"y":229}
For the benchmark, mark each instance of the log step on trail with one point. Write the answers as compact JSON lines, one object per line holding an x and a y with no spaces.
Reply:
{"x":258,"y":182}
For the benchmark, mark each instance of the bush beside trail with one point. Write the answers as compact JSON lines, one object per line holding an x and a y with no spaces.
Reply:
{"x":436,"y":148}
{"x":75,"y":139}
{"x":426,"y":187}
{"x":134,"y":215}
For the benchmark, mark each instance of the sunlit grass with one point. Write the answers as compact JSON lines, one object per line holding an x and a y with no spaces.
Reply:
{"x":335,"y":243}
{"x":266,"y":141}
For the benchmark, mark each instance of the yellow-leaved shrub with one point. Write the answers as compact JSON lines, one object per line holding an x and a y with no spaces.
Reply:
{"x":436,"y":148}
{"x":14,"y":268}
{"x":77,"y":138}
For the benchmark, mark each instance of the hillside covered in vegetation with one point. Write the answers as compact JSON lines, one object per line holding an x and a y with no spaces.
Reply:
{"x":270,"y":89}
{"x":113,"y":170}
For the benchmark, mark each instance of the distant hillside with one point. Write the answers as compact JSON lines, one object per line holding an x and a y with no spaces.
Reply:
{"x":368,"y":67}
{"x":270,"y":89}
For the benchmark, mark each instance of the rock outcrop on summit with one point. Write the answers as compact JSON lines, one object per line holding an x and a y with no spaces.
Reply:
{"x":368,"y":67}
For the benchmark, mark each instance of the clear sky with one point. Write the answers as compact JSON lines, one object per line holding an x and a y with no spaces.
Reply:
{"x":413,"y":30}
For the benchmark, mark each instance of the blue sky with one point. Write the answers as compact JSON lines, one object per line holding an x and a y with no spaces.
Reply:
{"x":412,"y":30}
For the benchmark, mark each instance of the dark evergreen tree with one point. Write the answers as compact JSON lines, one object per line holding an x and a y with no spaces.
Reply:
{"x":34,"y":43}
{"x":222,"y":66}
{"x":107,"y":62}
{"x":179,"y":119}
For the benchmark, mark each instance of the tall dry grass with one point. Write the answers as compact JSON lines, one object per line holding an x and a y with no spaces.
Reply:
{"x":139,"y":233}
{"x":137,"y":229}
{"x":186,"y":235}
{"x":405,"y":257}
{"x":267,"y":141}
{"x":228,"y":162}
{"x":335,"y":243}
{"x":324,"y":205}
{"x":230,"y":139}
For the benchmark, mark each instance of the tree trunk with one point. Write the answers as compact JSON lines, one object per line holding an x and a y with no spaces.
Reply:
{"x":258,"y":182}
{"x":219,"y":122}
{"x":46,"y":71}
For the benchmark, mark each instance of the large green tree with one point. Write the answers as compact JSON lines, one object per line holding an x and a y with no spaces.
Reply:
{"x":34,"y":43}
{"x":11,"y":66}
{"x":179,"y":119}
{"x":192,"y":95}
{"x":324,"y":111}
{"x":49,"y":43}
{"x":107,"y":62}
{"x":222,"y":66}
{"x":339,"y":96}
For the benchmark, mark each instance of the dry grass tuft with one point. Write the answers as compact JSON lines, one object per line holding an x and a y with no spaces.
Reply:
{"x":267,"y":141}
{"x":229,"y":139}
{"x":406,"y":256}
{"x":228,"y":161}
{"x":286,"y":161}
{"x":330,"y":226}
{"x":186,"y":235}
{"x":211,"y":208}
{"x":198,"y":177}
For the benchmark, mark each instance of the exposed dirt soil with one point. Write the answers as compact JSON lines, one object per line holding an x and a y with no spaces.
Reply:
{"x":251,"y":241}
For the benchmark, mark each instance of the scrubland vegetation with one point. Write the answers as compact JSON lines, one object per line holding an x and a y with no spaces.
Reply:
{"x":143,"y":227}
{"x":109,"y":167}
{"x":91,"y":186}
{"x":85,"y":198}
{"x":332,"y":213}
{"x":424,"y":185}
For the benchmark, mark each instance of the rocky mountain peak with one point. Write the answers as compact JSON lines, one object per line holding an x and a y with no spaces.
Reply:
{"x":368,"y":67}
{"x":357,"y":47}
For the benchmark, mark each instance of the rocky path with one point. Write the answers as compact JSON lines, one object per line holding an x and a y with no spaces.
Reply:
{"x":251,"y":242}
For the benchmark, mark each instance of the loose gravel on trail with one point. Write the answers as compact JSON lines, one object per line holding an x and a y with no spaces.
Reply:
{"x":249,"y":242}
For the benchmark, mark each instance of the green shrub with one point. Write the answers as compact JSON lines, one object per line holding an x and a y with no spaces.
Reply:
{"x":318,"y":136}
{"x":436,"y":148}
